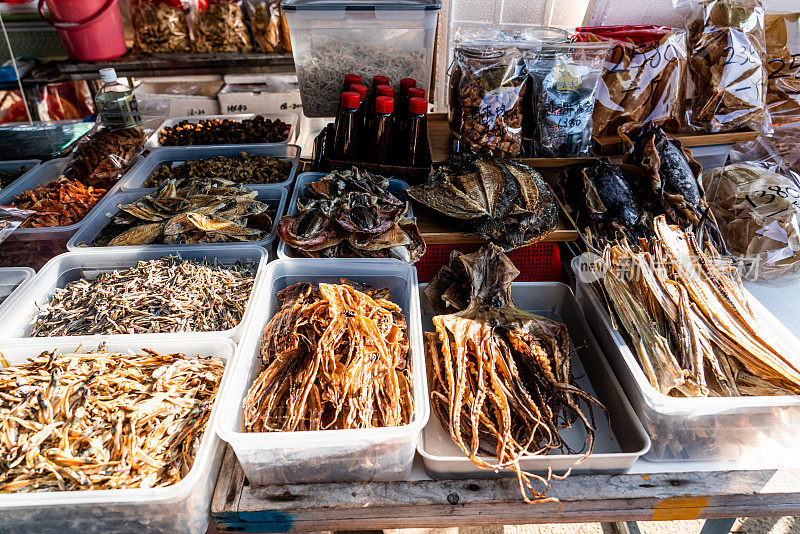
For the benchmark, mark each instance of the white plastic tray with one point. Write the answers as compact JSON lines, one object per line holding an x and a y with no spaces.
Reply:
{"x":275,"y":196}
{"x":618,"y":444}
{"x":173,"y":156}
{"x":11,"y":280}
{"x":759,"y":431}
{"x":327,"y":455}
{"x":18,"y":316}
{"x":284,"y":250}
{"x":180,"y":508}
{"x":288,"y":118}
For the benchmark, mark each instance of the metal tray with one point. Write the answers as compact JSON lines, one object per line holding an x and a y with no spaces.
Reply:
{"x":620,"y":438}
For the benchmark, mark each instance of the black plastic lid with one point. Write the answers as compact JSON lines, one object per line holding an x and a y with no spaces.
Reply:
{"x":360,"y":5}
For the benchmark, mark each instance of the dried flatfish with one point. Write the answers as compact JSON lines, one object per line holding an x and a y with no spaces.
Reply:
{"x":500,"y":377}
{"x":336,"y":356}
{"x":103,"y":420}
{"x":155,"y":296}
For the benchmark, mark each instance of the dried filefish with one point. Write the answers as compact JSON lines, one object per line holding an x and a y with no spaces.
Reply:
{"x":103,"y":420}
{"x":335,"y":357}
{"x":242,"y":169}
{"x":163,"y":295}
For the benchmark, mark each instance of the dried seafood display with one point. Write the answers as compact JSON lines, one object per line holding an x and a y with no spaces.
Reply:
{"x":690,"y":323}
{"x":336,"y":356}
{"x":206,"y":211}
{"x":502,"y":201}
{"x":103,"y":420}
{"x":225,"y":132}
{"x":62,"y":203}
{"x":8,"y":177}
{"x":265,"y":21}
{"x":160,"y":26}
{"x":500,"y":377}
{"x":102,"y":160}
{"x":352,"y":214}
{"x":242,"y":169}
{"x":164,"y":295}
{"x":219,"y":27}
{"x":783,"y":91}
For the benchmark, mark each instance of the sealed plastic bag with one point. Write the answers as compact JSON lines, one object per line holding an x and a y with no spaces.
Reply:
{"x":64,"y":101}
{"x":265,"y":21}
{"x":783,"y":64}
{"x":758,"y":211}
{"x":727,"y":50}
{"x":487,"y":84}
{"x":160,"y":26}
{"x":645,"y":78}
{"x":219,"y":26}
{"x":565,"y":78}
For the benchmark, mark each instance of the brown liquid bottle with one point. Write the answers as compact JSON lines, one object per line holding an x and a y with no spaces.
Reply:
{"x":403,"y":98}
{"x":362,"y":103}
{"x":382,"y":131}
{"x":415,"y":134}
{"x":345,"y":142}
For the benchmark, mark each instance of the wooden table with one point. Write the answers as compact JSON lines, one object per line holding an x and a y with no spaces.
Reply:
{"x":238,"y":507}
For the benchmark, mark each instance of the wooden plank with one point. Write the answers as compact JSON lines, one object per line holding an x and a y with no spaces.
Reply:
{"x":612,"y":145}
{"x":229,"y":487}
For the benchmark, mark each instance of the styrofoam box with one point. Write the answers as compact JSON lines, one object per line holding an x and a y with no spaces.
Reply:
{"x":275,"y":196}
{"x":284,"y":251}
{"x":327,"y":455}
{"x":17,"y":318}
{"x":174,"y":156}
{"x":288,"y":118}
{"x":179,"y":508}
{"x":759,"y":431}
{"x":11,"y":280}
{"x":620,"y":437}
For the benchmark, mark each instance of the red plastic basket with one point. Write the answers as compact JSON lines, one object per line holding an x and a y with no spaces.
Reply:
{"x":536,"y":263}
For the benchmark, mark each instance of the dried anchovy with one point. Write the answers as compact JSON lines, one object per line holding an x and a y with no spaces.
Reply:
{"x":163,"y":295}
{"x":225,"y":132}
{"x":220,"y":27}
{"x":243,"y":169}
{"x":335,"y":357}
{"x":103,"y":420}
{"x":61,"y":203}
{"x":103,"y":159}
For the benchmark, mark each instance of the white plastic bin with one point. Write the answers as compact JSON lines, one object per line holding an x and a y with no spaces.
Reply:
{"x":620,"y":437}
{"x":11,"y":280}
{"x":284,"y":250}
{"x":17,"y":318}
{"x":758,"y":431}
{"x":327,"y":455}
{"x":174,"y":156}
{"x":288,"y":118}
{"x":180,"y":508}
{"x":331,"y":38}
{"x":275,"y":196}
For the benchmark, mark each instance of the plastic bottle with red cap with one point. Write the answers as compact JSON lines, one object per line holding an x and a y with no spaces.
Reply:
{"x":414,"y":152}
{"x":382,"y":133}
{"x":347,"y":127}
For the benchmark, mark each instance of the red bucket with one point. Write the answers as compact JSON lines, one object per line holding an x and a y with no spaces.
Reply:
{"x":90,"y":29}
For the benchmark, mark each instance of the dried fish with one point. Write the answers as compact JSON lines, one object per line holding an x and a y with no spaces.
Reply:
{"x":160,"y":26}
{"x":62,"y":203}
{"x":336,"y":356}
{"x":219,"y":27}
{"x":242,"y":169}
{"x":103,"y":420}
{"x":225,"y":132}
{"x":102,"y":160}
{"x":162,"y":295}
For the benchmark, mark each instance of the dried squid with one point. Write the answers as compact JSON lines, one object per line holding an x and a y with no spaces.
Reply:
{"x":500,"y":377}
{"x":335,"y":357}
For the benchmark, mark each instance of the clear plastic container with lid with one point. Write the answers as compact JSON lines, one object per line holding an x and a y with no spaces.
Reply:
{"x":392,"y":38}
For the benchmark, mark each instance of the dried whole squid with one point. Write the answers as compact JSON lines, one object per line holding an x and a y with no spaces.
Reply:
{"x":499,"y":376}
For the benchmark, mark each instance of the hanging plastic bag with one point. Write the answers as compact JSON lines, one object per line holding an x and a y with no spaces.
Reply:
{"x":64,"y":101}
{"x":219,"y":26}
{"x":160,"y":26}
{"x":487,"y":84}
{"x":727,"y":50}
{"x":265,"y":22}
{"x":783,"y":64}
{"x":757,"y":208}
{"x":565,"y":77}
{"x":645,"y":77}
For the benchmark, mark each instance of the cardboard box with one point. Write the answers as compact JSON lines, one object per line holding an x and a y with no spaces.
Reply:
{"x":265,"y":93}
{"x":186,"y":95}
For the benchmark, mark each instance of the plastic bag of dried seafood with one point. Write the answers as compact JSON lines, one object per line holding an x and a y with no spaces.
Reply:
{"x":727,"y":50}
{"x":219,"y":26}
{"x":645,"y":78}
{"x":783,"y":64}
{"x":265,"y":23}
{"x":565,"y":77}
{"x":757,"y":207}
{"x":160,"y":26}
{"x":486,"y":88}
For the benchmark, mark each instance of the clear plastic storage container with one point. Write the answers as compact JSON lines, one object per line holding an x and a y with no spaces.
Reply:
{"x":289,"y":118}
{"x":757,"y":431}
{"x":18,"y":316}
{"x":328,"y":455}
{"x":331,"y":38}
{"x":179,"y":508}
{"x":620,"y":437}
{"x":20,"y":166}
{"x":284,"y":250}
{"x":174,"y":156}
{"x":11,"y":280}
{"x":275,"y":196}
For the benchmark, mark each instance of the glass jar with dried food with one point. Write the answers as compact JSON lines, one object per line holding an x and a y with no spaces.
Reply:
{"x":160,"y":26}
{"x":219,"y":27}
